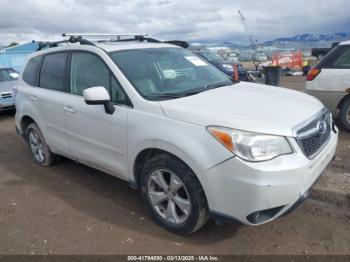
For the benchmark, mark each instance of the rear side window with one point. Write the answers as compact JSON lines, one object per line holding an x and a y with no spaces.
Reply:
{"x":53,"y":72}
{"x":344,"y":59}
{"x":337,"y":58}
{"x":31,"y":71}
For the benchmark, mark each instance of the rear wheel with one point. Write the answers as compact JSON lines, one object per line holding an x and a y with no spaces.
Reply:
{"x":344,"y":114}
{"x":38,"y":147}
{"x":174,"y":195}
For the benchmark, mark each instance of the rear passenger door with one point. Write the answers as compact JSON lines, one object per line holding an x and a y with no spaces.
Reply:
{"x":95,"y":137}
{"x":48,"y":99}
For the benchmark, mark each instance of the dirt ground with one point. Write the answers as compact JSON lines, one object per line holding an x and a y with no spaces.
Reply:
{"x":72,"y":209}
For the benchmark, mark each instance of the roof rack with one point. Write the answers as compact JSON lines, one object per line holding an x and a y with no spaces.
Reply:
{"x":114,"y":37}
{"x":78,"y":38}
{"x":102,"y":34}
{"x":72,"y":39}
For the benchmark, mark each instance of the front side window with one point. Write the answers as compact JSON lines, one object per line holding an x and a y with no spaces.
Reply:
{"x":166,"y":73}
{"x":31,"y":71}
{"x":8,"y":74}
{"x":52,"y":74}
{"x":87,"y":70}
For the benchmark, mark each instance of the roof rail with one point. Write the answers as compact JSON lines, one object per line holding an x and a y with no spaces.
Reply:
{"x":114,"y":37}
{"x":72,"y":39}
{"x":78,"y":38}
{"x":118,"y":36}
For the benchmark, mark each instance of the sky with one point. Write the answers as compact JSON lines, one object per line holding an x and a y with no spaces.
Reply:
{"x":190,"y":20}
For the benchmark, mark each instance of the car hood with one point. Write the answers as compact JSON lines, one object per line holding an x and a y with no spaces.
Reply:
{"x":245,"y":106}
{"x":7,"y":86}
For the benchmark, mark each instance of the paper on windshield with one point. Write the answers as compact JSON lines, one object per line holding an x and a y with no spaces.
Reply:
{"x":14,"y":75}
{"x":196,"y":61}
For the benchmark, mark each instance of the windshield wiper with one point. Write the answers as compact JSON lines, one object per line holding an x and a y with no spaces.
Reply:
{"x":217,"y":85}
{"x":164,"y":96}
{"x":187,"y":93}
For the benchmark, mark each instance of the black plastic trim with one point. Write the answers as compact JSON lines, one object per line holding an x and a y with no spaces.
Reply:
{"x":221,"y":217}
{"x":297,"y":204}
{"x":264,"y":215}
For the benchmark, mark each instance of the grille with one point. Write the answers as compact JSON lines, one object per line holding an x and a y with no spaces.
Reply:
{"x":313,"y":136}
{"x":6,"y":95}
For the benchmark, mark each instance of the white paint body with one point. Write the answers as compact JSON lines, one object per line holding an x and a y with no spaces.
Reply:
{"x":233,"y":187}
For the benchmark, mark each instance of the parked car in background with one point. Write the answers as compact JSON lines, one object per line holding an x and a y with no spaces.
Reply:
{"x":222,"y":64}
{"x":233,"y":57}
{"x":329,"y":81}
{"x":8,"y":81}
{"x":245,"y":57}
{"x":290,"y":72}
{"x":192,"y":142}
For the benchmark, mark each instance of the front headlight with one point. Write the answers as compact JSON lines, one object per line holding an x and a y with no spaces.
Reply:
{"x":250,"y":146}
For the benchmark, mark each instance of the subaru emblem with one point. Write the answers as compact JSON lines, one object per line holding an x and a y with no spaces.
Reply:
{"x":322,"y":127}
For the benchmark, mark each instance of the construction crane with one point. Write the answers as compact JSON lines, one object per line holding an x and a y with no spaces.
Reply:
{"x":252,"y":40}
{"x":250,"y":36}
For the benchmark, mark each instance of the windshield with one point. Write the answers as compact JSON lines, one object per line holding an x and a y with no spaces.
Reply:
{"x":8,"y":74}
{"x":166,"y":73}
{"x":210,"y":56}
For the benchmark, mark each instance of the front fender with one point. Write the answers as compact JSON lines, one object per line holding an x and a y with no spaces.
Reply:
{"x":191,"y":143}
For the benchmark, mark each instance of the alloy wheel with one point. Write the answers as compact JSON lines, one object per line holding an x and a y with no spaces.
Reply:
{"x":168,"y":196}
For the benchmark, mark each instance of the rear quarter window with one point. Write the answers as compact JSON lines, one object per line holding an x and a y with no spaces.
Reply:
{"x":31,"y":70}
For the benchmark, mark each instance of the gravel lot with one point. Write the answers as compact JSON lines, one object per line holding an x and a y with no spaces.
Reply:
{"x":73,"y":209}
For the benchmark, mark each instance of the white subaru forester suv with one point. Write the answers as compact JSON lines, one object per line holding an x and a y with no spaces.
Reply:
{"x":194,"y":143}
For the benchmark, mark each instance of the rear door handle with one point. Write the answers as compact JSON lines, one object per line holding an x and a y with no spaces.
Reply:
{"x":34,"y":98}
{"x":68,"y":109}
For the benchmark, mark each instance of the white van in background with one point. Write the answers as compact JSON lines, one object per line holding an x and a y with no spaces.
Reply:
{"x":329,"y":81}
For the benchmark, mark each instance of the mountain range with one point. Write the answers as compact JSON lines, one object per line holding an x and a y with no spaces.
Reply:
{"x":312,"y":38}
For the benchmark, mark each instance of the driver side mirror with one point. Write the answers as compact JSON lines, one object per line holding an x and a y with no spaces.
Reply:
{"x":99,"y":96}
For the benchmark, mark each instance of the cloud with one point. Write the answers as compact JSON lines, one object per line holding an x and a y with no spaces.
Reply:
{"x":192,"y":20}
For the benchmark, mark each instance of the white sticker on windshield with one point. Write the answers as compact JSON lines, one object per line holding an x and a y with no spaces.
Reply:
{"x":14,"y":75}
{"x":196,"y":61}
{"x":168,"y":73}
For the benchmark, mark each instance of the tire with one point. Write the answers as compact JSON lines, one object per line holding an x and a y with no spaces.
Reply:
{"x":188,"y":202}
{"x":38,"y":147}
{"x":344,"y":114}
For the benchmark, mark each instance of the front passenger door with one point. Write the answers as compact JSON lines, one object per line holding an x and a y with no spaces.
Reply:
{"x":96,"y":138}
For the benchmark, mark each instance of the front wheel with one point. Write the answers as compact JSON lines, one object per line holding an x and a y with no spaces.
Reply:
{"x":174,"y":195}
{"x":344,"y":114}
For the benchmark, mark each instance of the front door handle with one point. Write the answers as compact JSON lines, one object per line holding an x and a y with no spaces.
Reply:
{"x":68,"y":109}
{"x":34,"y":98}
